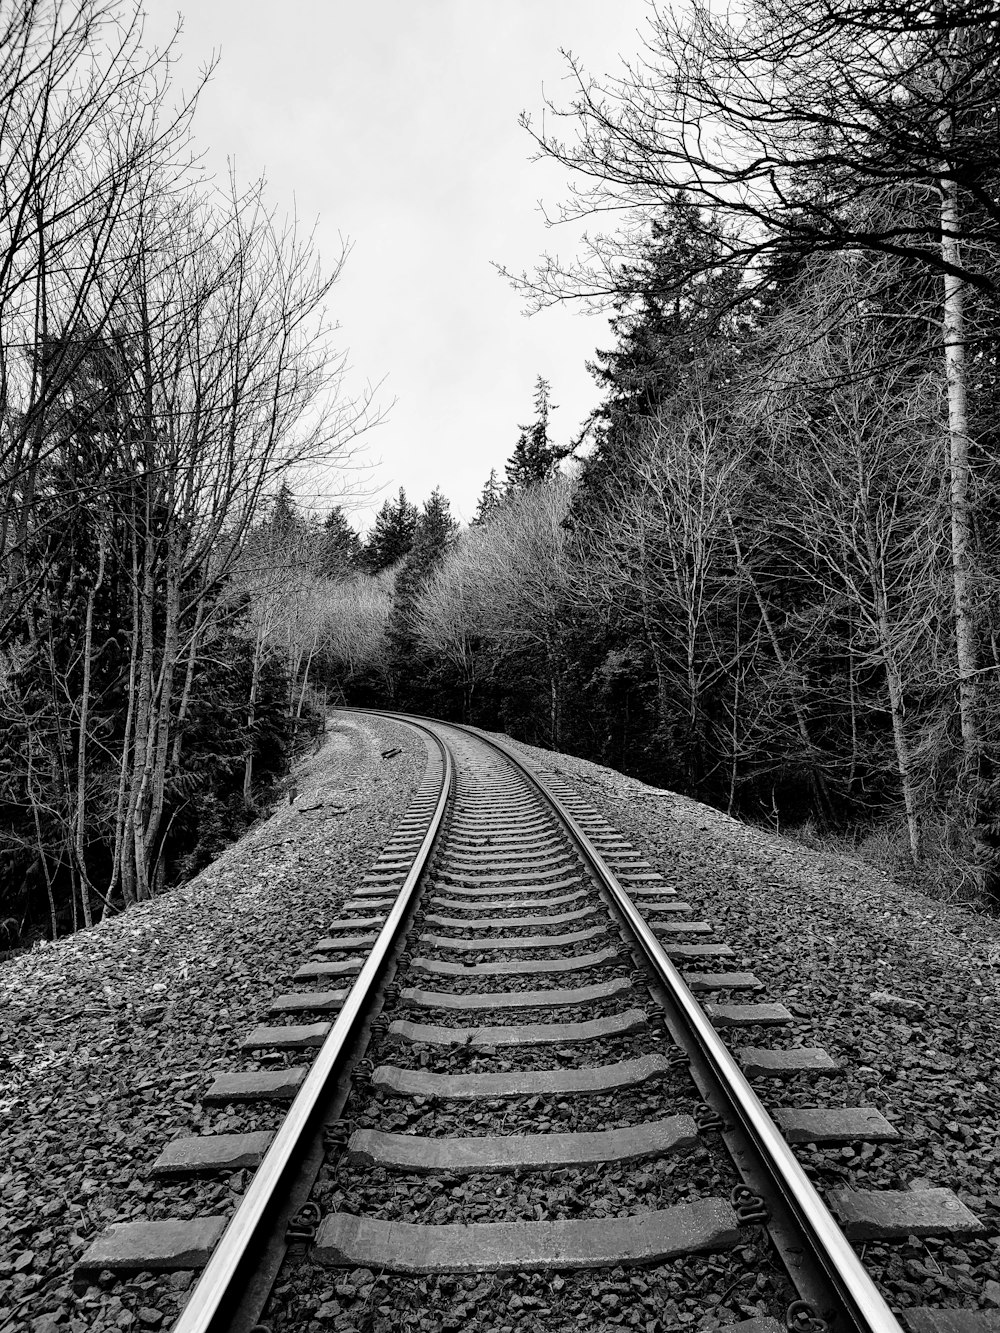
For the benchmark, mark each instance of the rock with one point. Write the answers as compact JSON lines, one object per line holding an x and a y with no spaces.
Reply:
{"x":991,"y":1292}
{"x":896,"y":1004}
{"x":47,"y":1323}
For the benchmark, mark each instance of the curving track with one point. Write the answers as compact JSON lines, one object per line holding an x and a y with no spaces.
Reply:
{"x":543,"y":1093}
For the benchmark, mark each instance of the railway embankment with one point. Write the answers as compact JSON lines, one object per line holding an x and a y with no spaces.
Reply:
{"x":108,"y":1036}
{"x":901,"y":988}
{"x":111,"y":1037}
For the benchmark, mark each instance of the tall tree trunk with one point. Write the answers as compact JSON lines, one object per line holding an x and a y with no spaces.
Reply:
{"x":733,"y":757}
{"x":258,"y":654}
{"x":852,"y":691}
{"x":904,"y":762}
{"x":958,"y":459}
{"x":185,"y":699}
{"x":305,"y":683}
{"x":120,"y":864}
{"x":133,"y":865}
{"x":81,"y":748}
{"x":40,"y":840}
{"x":554,"y":707}
{"x":894,"y":685}
{"x":165,"y":693}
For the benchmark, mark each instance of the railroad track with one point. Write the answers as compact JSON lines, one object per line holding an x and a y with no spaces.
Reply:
{"x":518,"y":1070}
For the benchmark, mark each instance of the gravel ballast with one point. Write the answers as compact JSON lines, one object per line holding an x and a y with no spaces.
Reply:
{"x":575,"y":1196}
{"x":109,"y":1037}
{"x":112,"y":1036}
{"x":900,"y":988}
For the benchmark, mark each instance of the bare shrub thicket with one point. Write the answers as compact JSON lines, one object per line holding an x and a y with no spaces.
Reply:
{"x":165,"y":358}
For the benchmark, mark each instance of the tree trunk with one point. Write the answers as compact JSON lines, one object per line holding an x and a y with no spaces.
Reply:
{"x":81,"y":748}
{"x":894,"y":684}
{"x":119,"y":862}
{"x":133,"y":864}
{"x":42,"y":858}
{"x":733,"y":763}
{"x":185,"y":699}
{"x":251,"y":719}
{"x":165,"y":691}
{"x":852,"y":690}
{"x":959,"y":475}
{"x":305,"y":684}
{"x":903,"y":761}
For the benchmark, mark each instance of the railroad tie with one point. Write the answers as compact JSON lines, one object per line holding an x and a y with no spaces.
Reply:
{"x":519,"y":1152}
{"x":524,"y":1034}
{"x":705,"y":1225}
{"x":518,"y":967}
{"x":507,"y":923}
{"x":499,"y":945}
{"x":595,"y":1079}
{"x":505,"y":904}
{"x":555,"y":997}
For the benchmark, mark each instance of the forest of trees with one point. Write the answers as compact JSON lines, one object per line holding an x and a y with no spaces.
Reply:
{"x":165,"y":360}
{"x":765,"y":573}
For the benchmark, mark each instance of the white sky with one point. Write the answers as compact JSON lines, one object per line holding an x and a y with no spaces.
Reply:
{"x":395,"y":123}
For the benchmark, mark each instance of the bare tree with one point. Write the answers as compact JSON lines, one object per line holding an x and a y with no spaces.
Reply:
{"x":454,"y":611}
{"x":357,"y":620}
{"x":660,"y":558}
{"x":232,"y":382}
{"x":83,"y":124}
{"x":505,"y":585}
{"x":782,"y":131}
{"x":867,"y":510}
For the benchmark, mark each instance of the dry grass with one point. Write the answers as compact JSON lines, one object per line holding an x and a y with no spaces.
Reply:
{"x":947,"y":872}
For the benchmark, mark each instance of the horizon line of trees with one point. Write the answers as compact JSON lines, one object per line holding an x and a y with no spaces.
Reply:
{"x":765,"y":573}
{"x":773,"y":580}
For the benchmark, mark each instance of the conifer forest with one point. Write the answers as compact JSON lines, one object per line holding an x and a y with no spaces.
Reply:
{"x":764,"y":573}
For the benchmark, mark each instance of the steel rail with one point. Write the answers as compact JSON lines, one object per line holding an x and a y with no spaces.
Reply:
{"x":862,"y":1302}
{"x":209,"y":1307}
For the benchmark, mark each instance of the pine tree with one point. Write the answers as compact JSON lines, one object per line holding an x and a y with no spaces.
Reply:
{"x":667,"y":330}
{"x":435,"y":532}
{"x":339,"y":546}
{"x":535,"y":458}
{"x":490,"y":498}
{"x":392,"y":536}
{"x":285,"y":518}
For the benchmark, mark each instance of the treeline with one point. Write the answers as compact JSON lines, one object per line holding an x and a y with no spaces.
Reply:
{"x":769,"y":574}
{"x":742,"y":590}
{"x":165,"y":359}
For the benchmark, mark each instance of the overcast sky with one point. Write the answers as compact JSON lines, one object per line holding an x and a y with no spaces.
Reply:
{"x":395,"y":123}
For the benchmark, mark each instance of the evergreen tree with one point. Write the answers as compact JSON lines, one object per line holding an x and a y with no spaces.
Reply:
{"x":392,"y":536}
{"x":435,"y":532}
{"x":535,"y":458}
{"x":285,"y":518}
{"x":339,"y":546}
{"x":669,"y":333}
{"x":490,"y":499}
{"x":662,"y":326}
